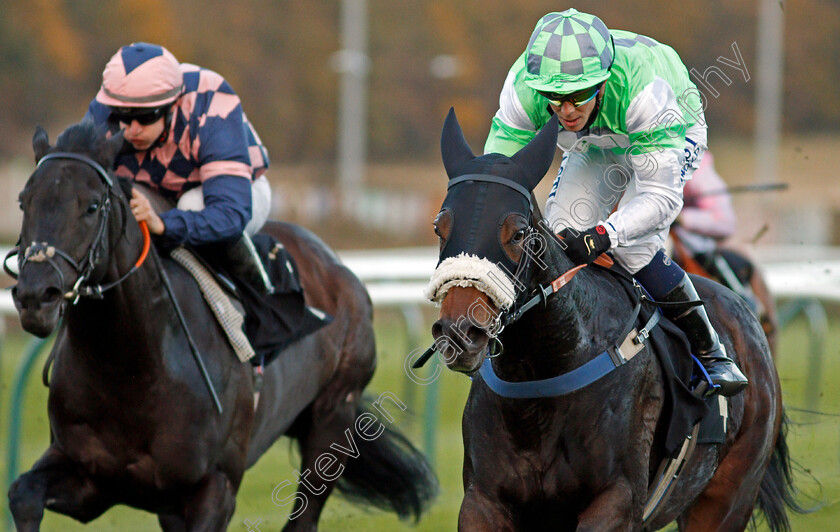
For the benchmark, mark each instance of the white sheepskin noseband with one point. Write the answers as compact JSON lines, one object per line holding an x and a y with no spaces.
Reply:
{"x":470,"y":270}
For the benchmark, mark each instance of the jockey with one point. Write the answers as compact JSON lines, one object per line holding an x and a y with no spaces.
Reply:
{"x":632,"y":133}
{"x":708,"y":218}
{"x":707,"y":215}
{"x":187,"y":137}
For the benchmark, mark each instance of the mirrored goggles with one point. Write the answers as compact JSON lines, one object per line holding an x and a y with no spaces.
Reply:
{"x":576,"y":98}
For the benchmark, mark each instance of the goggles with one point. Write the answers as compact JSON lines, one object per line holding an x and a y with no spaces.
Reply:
{"x":576,"y":98}
{"x":143,"y":115}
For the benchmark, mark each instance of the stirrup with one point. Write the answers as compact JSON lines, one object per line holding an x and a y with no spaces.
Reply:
{"x":701,"y":383}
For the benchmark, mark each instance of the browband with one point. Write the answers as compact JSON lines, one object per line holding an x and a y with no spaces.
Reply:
{"x":79,"y":157}
{"x":492,"y":179}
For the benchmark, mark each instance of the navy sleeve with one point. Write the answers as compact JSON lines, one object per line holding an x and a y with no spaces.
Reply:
{"x":227,"y":210}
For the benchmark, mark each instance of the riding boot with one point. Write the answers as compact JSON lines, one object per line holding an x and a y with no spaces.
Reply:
{"x":704,"y":340}
{"x":243,"y":261}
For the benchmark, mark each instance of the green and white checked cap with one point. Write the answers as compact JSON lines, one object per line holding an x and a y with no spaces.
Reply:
{"x":568,"y":51}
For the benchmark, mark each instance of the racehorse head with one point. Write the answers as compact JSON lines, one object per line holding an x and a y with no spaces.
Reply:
{"x":63,"y":240}
{"x":486,"y":231}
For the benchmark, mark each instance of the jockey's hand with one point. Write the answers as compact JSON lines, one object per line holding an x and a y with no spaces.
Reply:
{"x":585,"y":246}
{"x":143,"y":212}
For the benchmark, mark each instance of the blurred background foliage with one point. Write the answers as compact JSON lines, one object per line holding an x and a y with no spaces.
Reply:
{"x":276,"y":54}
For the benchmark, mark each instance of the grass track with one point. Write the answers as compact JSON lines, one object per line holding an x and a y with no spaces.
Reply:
{"x":814,"y":441}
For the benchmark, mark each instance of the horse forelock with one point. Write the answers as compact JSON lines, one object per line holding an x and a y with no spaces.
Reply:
{"x":471,"y":271}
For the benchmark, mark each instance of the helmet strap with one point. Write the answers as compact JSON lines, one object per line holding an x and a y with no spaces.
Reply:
{"x":167,"y":122}
{"x":594,"y":114}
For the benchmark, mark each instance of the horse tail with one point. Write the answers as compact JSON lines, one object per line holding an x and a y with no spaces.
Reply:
{"x":390,"y":474}
{"x":777,"y":492}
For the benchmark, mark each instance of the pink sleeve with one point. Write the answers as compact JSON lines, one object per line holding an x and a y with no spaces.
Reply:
{"x":707,"y":211}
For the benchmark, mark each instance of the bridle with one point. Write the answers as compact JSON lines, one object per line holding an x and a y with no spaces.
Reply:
{"x":524,"y":300}
{"x":45,"y":252}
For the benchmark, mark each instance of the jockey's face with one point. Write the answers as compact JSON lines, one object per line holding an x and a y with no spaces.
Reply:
{"x":142,"y":136}
{"x":574,"y":118}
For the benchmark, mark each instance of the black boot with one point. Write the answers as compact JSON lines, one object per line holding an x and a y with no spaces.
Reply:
{"x":243,"y":261}
{"x":704,"y":341}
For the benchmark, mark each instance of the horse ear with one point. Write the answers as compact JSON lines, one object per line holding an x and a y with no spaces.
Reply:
{"x":40,"y":143}
{"x":453,"y":146}
{"x":110,"y":148}
{"x":535,"y":158}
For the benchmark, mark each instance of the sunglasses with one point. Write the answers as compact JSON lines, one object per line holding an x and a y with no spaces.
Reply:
{"x":577,"y":98}
{"x":143,"y":115}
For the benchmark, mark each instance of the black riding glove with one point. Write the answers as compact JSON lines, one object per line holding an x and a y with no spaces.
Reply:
{"x":585,"y":246}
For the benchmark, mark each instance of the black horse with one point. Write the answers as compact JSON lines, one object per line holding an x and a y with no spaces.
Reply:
{"x":131,"y":419}
{"x":584,"y":459}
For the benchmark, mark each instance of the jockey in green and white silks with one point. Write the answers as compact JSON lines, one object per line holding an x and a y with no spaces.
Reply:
{"x":649,"y":121}
{"x":633,"y":132}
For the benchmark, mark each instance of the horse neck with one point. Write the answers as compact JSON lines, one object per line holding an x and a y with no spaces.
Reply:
{"x":560,"y":336}
{"x":118,"y":332}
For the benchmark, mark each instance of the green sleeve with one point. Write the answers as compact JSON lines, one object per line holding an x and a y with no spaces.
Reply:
{"x":505,"y":139}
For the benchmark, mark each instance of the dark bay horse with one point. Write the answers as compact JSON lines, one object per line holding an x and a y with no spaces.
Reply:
{"x":581,"y":460}
{"x":131,"y":419}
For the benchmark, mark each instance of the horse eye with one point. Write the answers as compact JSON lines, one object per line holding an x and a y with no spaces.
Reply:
{"x":518,"y":236}
{"x":437,"y":231}
{"x":93,"y":207}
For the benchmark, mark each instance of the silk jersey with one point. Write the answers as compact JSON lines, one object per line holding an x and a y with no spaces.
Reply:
{"x":650,"y":115}
{"x":208,"y":142}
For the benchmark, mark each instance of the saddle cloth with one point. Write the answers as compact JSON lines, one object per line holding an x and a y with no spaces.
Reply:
{"x":681,"y":408}
{"x":229,"y":317}
{"x":274,"y":322}
{"x":270,"y":323}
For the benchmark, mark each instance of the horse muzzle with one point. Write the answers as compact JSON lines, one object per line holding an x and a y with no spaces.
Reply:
{"x":39,"y":306}
{"x":462,"y":332}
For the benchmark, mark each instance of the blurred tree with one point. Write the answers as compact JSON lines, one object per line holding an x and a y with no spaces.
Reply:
{"x":276,"y":55}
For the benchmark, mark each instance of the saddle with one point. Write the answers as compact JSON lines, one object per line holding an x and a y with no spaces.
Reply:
{"x":271,"y":322}
{"x":690,"y":418}
{"x":684,"y":378}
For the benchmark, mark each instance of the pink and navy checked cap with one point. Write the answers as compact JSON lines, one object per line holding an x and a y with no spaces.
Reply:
{"x":567,"y":52}
{"x":141,"y":75}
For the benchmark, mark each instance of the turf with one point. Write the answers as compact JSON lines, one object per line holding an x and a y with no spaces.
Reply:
{"x":814,"y":439}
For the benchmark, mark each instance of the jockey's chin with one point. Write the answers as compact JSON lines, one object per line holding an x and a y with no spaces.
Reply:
{"x":573,"y":118}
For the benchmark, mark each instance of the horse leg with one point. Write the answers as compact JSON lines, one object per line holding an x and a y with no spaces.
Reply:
{"x":211,"y":507}
{"x":321,"y":431}
{"x":610,"y":510}
{"x":481,"y":514}
{"x":57,"y":483}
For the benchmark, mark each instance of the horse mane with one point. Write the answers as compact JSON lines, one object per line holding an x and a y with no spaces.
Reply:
{"x":85,"y":137}
{"x":89,"y":138}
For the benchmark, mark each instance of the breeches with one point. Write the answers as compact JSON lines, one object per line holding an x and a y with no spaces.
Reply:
{"x":193,"y":200}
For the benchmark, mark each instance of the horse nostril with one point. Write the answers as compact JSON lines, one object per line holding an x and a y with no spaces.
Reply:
{"x":475,"y":334}
{"x":437,"y":329}
{"x":52,"y":295}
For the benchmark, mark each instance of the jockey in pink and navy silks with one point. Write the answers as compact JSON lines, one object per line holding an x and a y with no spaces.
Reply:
{"x":633,"y":132}
{"x":187,"y":137}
